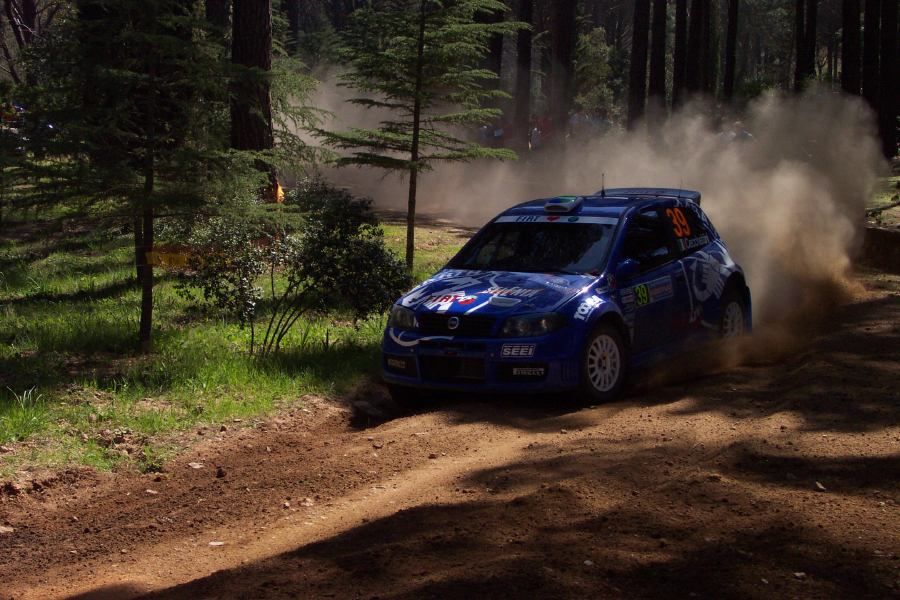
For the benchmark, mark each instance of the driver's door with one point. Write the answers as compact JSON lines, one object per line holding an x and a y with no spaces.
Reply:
{"x":648,"y":298}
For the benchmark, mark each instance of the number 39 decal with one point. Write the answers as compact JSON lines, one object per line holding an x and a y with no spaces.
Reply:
{"x":679,"y":222}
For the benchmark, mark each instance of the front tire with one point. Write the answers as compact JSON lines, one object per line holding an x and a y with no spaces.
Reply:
{"x":604,"y":364}
{"x":406,"y":398}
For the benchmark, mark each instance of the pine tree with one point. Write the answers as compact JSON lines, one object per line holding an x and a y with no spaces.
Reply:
{"x":420,"y":60}
{"x":138,"y":93}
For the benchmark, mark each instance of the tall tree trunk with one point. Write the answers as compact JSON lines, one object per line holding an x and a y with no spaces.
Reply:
{"x":146,"y":325}
{"x":709,"y":48}
{"x":145,"y":269}
{"x":850,"y":65}
{"x":799,"y":43}
{"x":637,"y":80}
{"x":657,"y":89}
{"x":217,"y":13}
{"x":694,"y":68}
{"x":888,"y":86}
{"x":251,"y":102}
{"x":810,"y":39}
{"x":562,"y":62}
{"x":679,"y":63}
{"x":871,"y":51}
{"x":730,"y":50}
{"x":414,"y":150}
{"x":522,"y":113}
{"x":138,"y":248}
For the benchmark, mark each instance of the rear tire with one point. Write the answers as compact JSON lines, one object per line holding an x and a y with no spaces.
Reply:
{"x":732,"y":315}
{"x":604,"y":365}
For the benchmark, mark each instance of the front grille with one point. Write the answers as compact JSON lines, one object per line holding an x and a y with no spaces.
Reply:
{"x":469,"y":325}
{"x":452,"y":368}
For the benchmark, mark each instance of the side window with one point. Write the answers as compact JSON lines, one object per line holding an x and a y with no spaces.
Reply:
{"x":647,"y":239}
{"x":688,"y":228}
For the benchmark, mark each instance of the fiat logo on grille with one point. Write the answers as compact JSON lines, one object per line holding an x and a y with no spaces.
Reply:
{"x":452,"y":323}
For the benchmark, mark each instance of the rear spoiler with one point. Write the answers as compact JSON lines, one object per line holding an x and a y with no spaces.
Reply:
{"x":652,"y":193}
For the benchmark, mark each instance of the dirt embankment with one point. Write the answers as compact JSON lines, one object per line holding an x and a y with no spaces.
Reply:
{"x":779,"y":478}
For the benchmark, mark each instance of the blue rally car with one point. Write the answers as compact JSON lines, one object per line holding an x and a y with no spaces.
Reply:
{"x":568,"y":293}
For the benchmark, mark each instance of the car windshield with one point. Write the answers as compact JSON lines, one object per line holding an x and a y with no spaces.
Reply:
{"x":538,"y":247}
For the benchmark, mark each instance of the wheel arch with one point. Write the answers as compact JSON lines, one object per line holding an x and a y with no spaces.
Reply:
{"x":738,"y":283}
{"x":612,"y":317}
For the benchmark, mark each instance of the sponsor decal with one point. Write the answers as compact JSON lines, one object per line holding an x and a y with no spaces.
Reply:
{"x":586,"y":307}
{"x":528,"y":371}
{"x":396,"y":363}
{"x":517,"y":350}
{"x":398,"y":339}
{"x":707,"y":273}
{"x":467,"y":300}
{"x":556,"y":219}
{"x":690,"y":244}
{"x":660,"y":289}
{"x":642,"y":294}
{"x":626,"y":296}
{"x":652,"y":291}
{"x":442,"y":302}
{"x":514,"y":292}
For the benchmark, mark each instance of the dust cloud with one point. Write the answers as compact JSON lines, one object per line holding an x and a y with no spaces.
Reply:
{"x":789,"y":203}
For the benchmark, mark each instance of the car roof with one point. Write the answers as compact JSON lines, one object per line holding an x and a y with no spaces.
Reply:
{"x":606,"y":203}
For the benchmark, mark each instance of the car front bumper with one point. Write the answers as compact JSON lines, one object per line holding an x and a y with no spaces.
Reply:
{"x":518,"y":365}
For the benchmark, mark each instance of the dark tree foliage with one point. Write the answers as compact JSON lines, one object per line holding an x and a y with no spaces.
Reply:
{"x":562,"y":57}
{"x":889,"y":87}
{"x":850,"y":46}
{"x":637,"y":81}
{"x":657,"y":88}
{"x":217,"y":13}
{"x":871,"y":73}
{"x":679,"y":59}
{"x":730,"y":50}
{"x":292,"y":11}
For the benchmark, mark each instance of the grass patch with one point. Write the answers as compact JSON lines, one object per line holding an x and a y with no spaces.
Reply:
{"x":74,"y":391}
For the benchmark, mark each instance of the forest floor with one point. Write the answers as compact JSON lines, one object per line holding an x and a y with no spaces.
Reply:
{"x":779,"y":477}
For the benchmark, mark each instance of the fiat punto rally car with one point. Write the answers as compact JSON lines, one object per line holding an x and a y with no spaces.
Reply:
{"x":568,"y":293}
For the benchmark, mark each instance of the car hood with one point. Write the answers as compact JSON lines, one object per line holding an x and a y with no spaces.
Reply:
{"x":459,"y":292}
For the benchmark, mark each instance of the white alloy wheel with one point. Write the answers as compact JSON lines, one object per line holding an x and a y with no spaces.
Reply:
{"x":732,"y":319}
{"x":604,"y":363}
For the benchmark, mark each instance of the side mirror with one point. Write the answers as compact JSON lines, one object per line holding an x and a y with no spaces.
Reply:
{"x":627,"y":269}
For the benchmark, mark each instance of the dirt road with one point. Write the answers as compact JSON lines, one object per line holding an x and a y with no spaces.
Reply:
{"x":777,"y":478}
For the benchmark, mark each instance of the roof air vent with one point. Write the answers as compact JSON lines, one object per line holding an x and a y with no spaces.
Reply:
{"x":562,"y":204}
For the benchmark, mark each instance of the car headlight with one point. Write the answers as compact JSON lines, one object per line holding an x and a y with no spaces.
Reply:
{"x":532,"y":325}
{"x":402,"y":318}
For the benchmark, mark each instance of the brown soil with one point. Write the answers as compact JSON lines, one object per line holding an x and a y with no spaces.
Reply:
{"x":777,"y":478}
